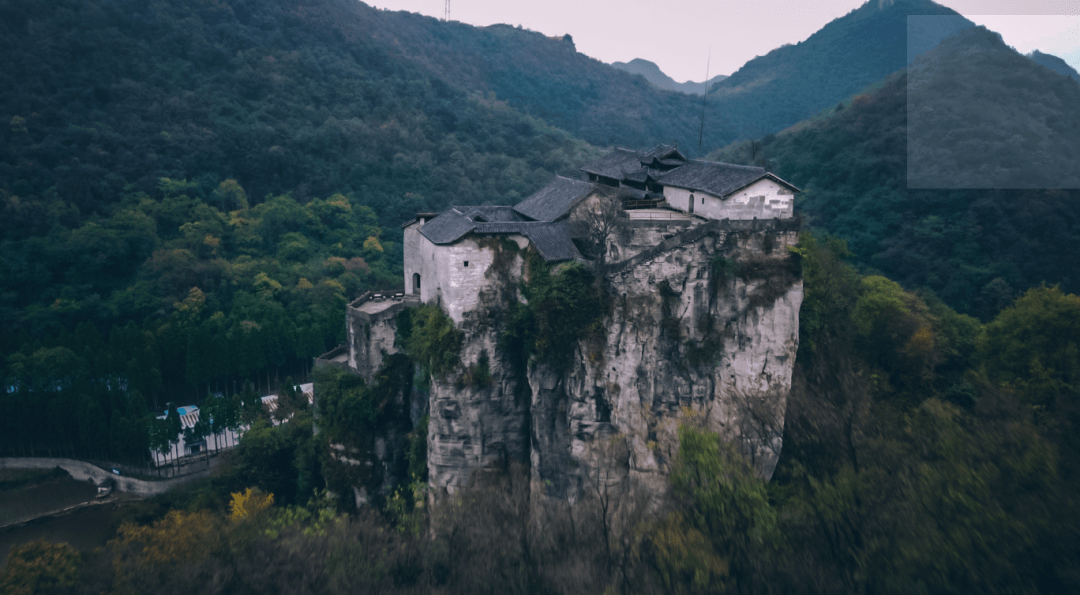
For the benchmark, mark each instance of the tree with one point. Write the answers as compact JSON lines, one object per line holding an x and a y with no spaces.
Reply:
{"x":1034,"y":345}
{"x":725,"y":500}
{"x":249,"y":504}
{"x":38,"y":567}
{"x":598,"y":220}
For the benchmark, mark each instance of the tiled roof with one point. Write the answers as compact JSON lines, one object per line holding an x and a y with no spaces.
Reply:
{"x":715,"y":178}
{"x":489,"y":213}
{"x":551,"y":239}
{"x":718,"y":179}
{"x":615,"y":164}
{"x":664,"y":153}
{"x":448,"y":227}
{"x":643,"y":175}
{"x":554,"y":200}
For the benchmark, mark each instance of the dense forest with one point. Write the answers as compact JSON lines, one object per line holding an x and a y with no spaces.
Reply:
{"x":190,"y":191}
{"x":976,"y":249}
{"x":923,"y":451}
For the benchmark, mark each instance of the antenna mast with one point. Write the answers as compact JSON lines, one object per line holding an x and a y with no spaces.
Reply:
{"x":446,"y":12}
{"x":701,"y":135}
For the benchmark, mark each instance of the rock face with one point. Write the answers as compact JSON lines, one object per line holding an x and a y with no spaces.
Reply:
{"x":480,"y":418}
{"x":702,"y":327}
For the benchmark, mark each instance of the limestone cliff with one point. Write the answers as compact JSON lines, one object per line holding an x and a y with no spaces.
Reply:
{"x":705,"y":324}
{"x":700,"y":322}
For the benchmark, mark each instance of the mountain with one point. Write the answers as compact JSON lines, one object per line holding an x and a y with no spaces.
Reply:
{"x":976,"y":249}
{"x":102,"y":99}
{"x":547,"y":77}
{"x":791,"y":83}
{"x":262,"y":152}
{"x":1054,"y":63}
{"x":654,"y":75}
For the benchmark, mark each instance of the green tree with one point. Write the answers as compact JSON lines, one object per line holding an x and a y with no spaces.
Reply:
{"x":1034,"y":346}
{"x":725,"y":501}
{"x":40,"y":567}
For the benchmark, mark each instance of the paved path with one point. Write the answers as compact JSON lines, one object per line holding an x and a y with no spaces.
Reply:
{"x":83,"y":471}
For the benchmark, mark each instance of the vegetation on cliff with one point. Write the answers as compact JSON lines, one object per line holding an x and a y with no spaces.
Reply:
{"x":561,"y":307}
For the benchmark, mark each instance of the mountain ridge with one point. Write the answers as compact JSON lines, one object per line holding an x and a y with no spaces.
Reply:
{"x":659,"y":79}
{"x":548,"y":78}
{"x":1054,"y":63}
{"x":976,"y":249}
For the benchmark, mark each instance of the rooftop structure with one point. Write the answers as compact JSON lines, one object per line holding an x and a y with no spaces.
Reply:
{"x":447,"y":254}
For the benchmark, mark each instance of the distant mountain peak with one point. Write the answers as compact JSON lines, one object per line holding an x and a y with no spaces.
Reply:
{"x":657,"y":78}
{"x":1054,"y":63}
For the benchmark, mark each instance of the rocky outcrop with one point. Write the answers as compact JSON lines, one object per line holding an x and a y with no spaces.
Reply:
{"x":702,"y":327}
{"x":479,"y":417}
{"x":704,"y":331}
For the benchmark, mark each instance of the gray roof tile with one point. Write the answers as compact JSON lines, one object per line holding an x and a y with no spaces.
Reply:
{"x":552,"y":240}
{"x":718,"y":179}
{"x":615,"y":164}
{"x":554,"y":200}
{"x":490,"y":213}
{"x":447,"y":228}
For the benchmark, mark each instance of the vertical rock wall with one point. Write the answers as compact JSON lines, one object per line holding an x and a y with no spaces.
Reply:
{"x":480,"y":418}
{"x":702,"y":325}
{"x":705,"y":330}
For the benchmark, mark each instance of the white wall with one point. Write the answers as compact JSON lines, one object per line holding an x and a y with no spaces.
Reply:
{"x":764,"y":199}
{"x":444,"y":278}
{"x":413,"y":246}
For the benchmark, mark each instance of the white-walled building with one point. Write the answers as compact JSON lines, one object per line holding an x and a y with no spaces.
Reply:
{"x":447,"y":255}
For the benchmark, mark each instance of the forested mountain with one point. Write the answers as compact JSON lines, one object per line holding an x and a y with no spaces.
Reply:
{"x":977,"y":249}
{"x":793,"y":82}
{"x":1054,"y":63}
{"x":654,"y":75}
{"x":181,"y":175}
{"x":547,"y":78}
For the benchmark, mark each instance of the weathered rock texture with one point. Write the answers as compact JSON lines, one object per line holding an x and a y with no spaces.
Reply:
{"x":702,"y":325}
{"x":481,"y":420}
{"x":705,"y":325}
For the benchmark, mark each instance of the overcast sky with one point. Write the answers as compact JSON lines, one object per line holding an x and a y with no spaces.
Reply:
{"x":678,"y":35}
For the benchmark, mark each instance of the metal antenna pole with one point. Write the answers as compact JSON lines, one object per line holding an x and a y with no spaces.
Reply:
{"x":446,"y":12}
{"x":701,"y":135}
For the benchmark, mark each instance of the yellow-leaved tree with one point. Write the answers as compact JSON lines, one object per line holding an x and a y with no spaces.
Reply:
{"x":249,"y":504}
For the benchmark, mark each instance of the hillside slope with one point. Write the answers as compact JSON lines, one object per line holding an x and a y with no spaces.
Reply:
{"x":654,"y":75}
{"x":548,"y":78}
{"x":279,"y":95}
{"x":247,"y":159}
{"x":791,"y":83}
{"x":977,"y":249}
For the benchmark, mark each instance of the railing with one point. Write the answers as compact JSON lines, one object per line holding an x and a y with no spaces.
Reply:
{"x":657,"y":215}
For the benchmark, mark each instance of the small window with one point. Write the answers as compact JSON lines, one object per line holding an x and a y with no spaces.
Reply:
{"x":466,"y":263}
{"x":702,"y":200}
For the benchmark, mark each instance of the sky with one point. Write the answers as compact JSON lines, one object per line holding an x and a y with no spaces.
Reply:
{"x":686,"y":37}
